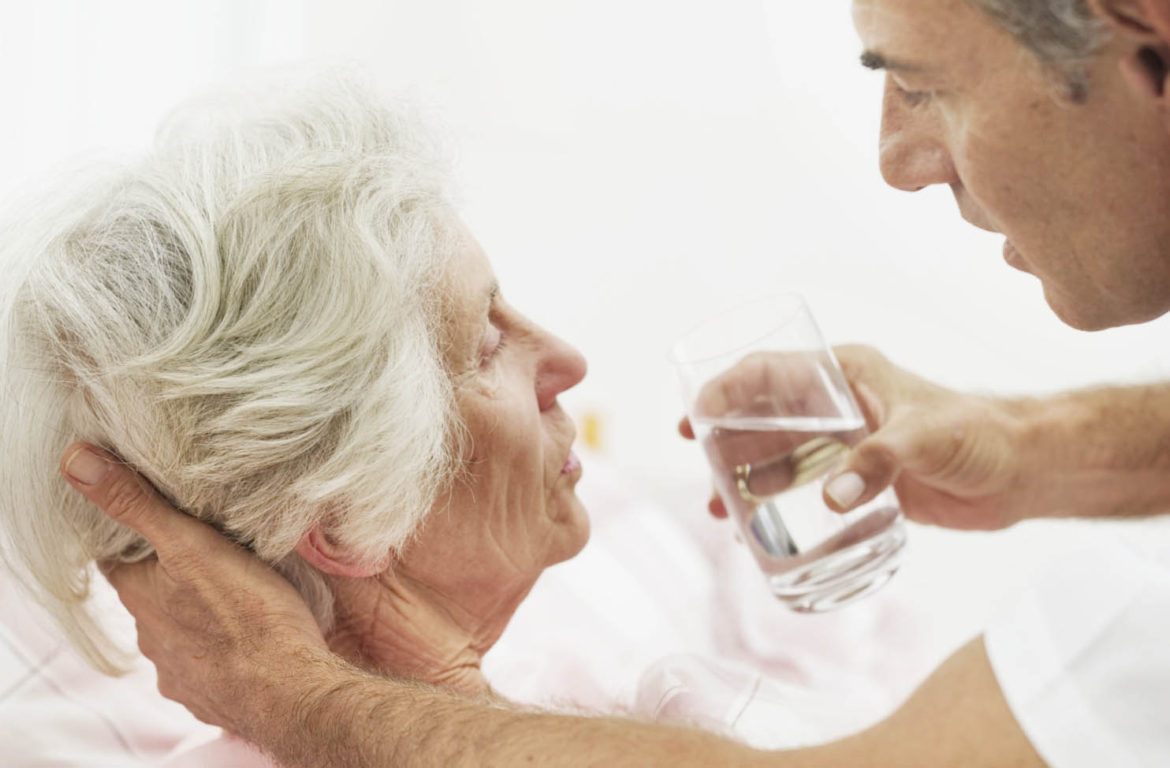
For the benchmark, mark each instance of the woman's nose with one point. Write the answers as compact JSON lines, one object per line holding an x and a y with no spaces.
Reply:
{"x":562,"y":368}
{"x":913,"y":154}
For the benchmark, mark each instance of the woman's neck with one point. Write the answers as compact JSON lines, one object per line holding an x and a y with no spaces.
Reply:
{"x":397,"y":625}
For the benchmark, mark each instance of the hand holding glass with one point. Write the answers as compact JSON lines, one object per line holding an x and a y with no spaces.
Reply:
{"x":775,"y":415}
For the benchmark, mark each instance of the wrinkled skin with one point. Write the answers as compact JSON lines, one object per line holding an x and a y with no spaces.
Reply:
{"x":445,"y":599}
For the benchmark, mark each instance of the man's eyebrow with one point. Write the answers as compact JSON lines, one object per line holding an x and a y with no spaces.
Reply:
{"x":876,"y":60}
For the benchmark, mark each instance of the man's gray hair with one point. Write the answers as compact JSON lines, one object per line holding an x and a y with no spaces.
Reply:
{"x":249,"y":317}
{"x":1062,"y":34}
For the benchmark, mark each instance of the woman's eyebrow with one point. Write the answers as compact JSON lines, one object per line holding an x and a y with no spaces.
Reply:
{"x":493,"y":293}
{"x":481,"y":320}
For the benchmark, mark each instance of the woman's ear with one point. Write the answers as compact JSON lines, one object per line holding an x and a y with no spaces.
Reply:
{"x":320,"y":551}
{"x":1146,"y":23}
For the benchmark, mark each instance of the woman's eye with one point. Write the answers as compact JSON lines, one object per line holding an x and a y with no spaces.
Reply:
{"x":495,"y":343}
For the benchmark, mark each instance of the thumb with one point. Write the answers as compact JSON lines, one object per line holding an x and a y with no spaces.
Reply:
{"x":872,"y":466}
{"x":126,"y":497}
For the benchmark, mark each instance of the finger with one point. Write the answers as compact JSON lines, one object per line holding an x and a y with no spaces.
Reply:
{"x":148,"y":643}
{"x":870,"y":468}
{"x":874,"y":381}
{"x":125,"y":496}
{"x":861,"y":363}
{"x":715,"y":506}
{"x":728,"y":447}
{"x":763,"y":384}
{"x":873,"y":409}
{"x":685,"y":429}
{"x":137,"y":586}
{"x":124,"y":573}
{"x":176,"y":690}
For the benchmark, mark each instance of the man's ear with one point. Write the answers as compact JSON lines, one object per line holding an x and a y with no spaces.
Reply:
{"x":1146,"y":23}
{"x":320,"y":551}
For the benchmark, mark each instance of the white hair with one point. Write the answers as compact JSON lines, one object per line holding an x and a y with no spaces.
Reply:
{"x":249,"y":317}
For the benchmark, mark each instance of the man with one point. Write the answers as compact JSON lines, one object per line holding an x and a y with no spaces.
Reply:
{"x":1051,"y":128}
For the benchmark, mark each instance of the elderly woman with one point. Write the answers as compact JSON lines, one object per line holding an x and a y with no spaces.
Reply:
{"x":277,"y":318}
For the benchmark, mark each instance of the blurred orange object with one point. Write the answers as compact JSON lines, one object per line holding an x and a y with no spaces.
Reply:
{"x":591,"y":430}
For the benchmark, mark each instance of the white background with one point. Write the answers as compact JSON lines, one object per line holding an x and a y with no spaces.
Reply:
{"x":627,"y":164}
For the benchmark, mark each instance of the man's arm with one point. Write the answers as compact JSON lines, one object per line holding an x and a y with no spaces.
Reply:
{"x":1106,"y":451}
{"x":971,"y":461}
{"x":234,"y":643}
{"x":328,"y":713}
{"x":976,"y":462}
{"x":350,"y":719}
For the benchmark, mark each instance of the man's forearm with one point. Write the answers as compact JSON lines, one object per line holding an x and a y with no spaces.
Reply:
{"x":323,"y":712}
{"x":1099,"y":453}
{"x":346,"y":718}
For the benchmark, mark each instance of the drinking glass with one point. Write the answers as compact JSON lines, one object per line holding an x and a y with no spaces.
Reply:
{"x":773,"y":411}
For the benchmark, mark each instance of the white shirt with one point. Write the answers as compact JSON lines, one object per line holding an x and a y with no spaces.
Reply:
{"x":1083,"y":659}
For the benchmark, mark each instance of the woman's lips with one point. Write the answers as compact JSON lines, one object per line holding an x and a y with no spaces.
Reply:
{"x":572,"y":464}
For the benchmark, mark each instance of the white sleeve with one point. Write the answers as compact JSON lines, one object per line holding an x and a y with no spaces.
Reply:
{"x":1083,"y":659}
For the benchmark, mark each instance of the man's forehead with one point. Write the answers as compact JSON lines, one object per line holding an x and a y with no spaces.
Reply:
{"x":930,"y":16}
{"x":915,"y":34}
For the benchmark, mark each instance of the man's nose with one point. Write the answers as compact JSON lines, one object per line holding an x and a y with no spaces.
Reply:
{"x":913,"y":153}
{"x":562,"y":368}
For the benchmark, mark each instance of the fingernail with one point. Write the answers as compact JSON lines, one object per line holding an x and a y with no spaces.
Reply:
{"x":845,"y":489}
{"x":86,"y":467}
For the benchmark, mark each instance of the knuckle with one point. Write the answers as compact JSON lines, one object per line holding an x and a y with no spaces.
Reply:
{"x":858,"y":355}
{"x":874,"y":459}
{"x":942,"y":455}
{"x":859,"y":361}
{"x":123,"y":498}
{"x":952,"y":449}
{"x":977,"y":455}
{"x":165,"y":687}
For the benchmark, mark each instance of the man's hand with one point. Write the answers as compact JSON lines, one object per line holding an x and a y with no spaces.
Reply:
{"x":210,"y":615}
{"x":952,"y":458}
{"x":973,"y":462}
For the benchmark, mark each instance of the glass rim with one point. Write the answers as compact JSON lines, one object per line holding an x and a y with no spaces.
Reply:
{"x":799,"y":302}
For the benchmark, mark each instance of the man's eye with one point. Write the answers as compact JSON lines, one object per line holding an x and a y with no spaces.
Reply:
{"x":915,"y":98}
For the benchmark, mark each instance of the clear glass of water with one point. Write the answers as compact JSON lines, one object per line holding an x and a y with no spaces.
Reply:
{"x":775,"y":415}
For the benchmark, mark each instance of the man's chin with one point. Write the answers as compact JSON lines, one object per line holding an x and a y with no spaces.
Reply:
{"x":1080,"y":314}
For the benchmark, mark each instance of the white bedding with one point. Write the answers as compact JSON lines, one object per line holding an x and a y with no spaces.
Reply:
{"x":666,"y":615}
{"x":662,"y":615}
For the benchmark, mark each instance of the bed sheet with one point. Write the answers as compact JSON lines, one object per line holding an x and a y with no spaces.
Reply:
{"x":663,"y":616}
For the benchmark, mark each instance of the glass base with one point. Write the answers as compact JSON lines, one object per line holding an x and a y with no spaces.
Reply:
{"x":842,"y":577}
